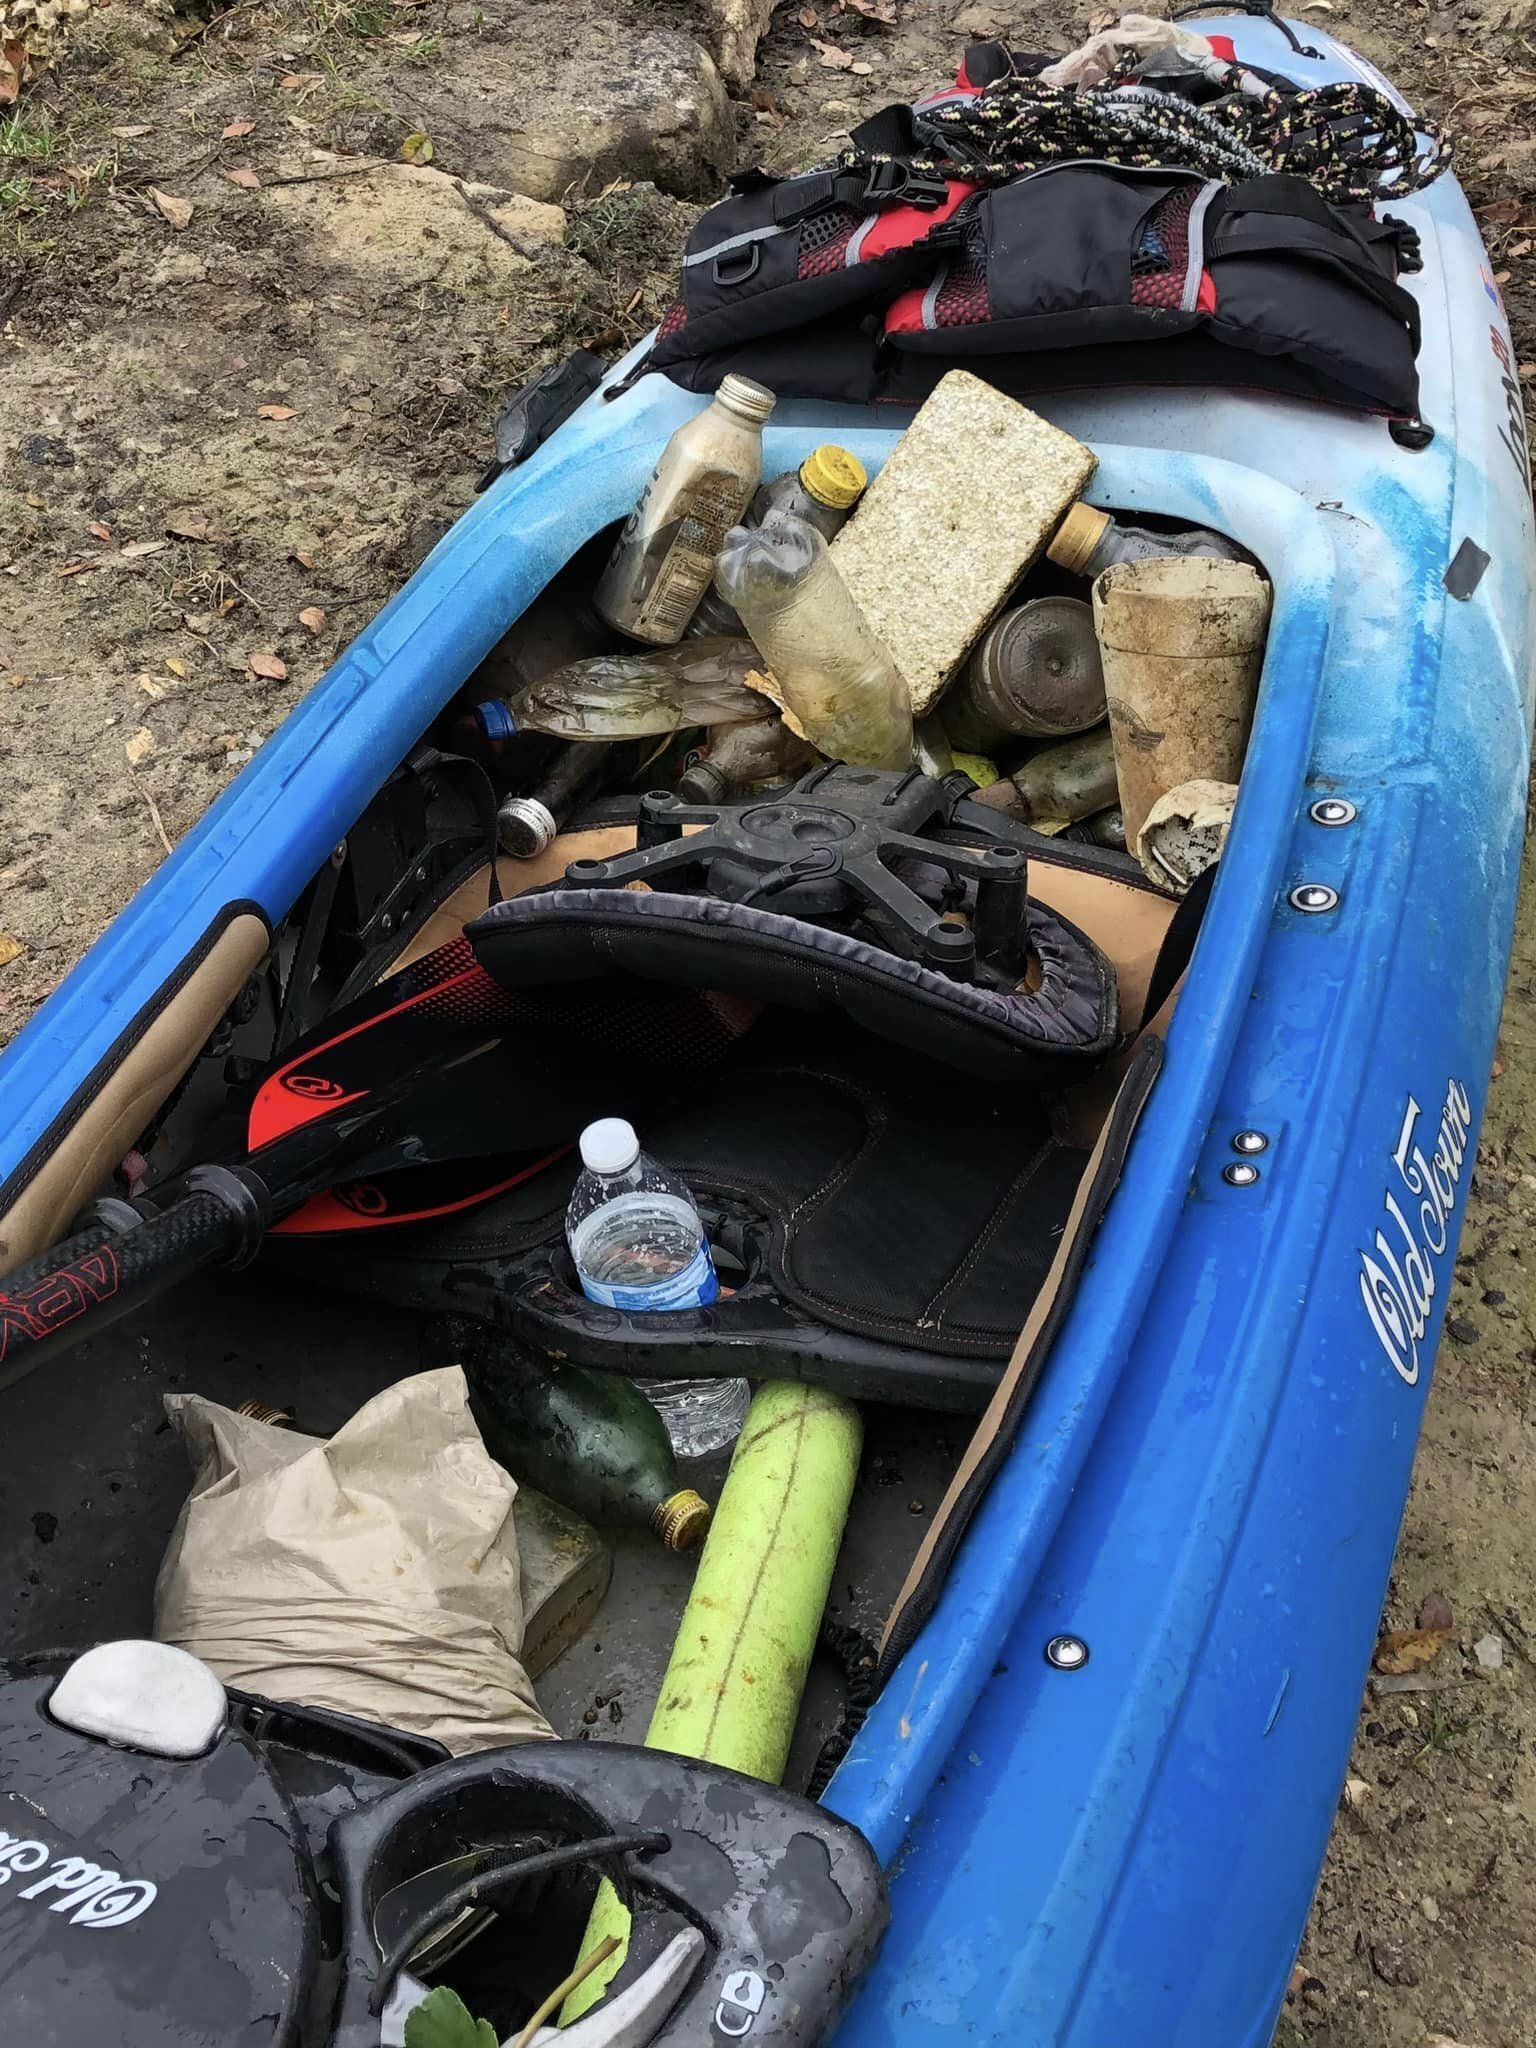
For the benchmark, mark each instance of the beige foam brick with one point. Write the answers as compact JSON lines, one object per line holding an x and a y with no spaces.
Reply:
{"x":971,"y":494}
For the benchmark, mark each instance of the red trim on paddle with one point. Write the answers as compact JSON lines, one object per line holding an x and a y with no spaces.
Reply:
{"x":364,"y":1205}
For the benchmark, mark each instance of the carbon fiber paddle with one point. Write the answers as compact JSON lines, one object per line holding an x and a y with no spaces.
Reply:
{"x":437,"y":1064}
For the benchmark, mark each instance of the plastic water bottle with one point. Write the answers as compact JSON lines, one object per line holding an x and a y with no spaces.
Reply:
{"x":638,"y":1244}
{"x":835,"y":673}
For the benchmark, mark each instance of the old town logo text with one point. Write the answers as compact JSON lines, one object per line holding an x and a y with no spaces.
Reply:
{"x":1397,"y":1275}
{"x":91,"y":1895}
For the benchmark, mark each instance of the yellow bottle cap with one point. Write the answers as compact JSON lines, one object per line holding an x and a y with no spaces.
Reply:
{"x":1077,"y":537}
{"x":682,"y":1519}
{"x":833,"y":476}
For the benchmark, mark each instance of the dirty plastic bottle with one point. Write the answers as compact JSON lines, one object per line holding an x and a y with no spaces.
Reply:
{"x":742,"y":757}
{"x":590,"y":1440}
{"x":822,"y":491}
{"x":664,"y":557}
{"x":639,"y":1245}
{"x":636,"y":696}
{"x":835,"y":674}
{"x":1089,"y":541}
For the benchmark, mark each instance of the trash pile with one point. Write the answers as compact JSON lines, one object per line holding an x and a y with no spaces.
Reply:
{"x":967,"y":611}
{"x":766,"y":795}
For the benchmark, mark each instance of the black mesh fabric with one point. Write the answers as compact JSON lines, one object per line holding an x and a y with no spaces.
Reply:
{"x":824,"y":240}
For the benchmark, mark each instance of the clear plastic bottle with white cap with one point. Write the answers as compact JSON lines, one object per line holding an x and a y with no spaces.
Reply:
{"x":638,"y":1243}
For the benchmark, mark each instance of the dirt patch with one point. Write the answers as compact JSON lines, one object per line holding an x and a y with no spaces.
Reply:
{"x":212,"y":432}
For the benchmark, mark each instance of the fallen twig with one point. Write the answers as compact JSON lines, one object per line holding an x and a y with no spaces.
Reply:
{"x":154,"y":810}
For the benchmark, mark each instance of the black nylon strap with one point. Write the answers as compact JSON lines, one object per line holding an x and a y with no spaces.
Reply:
{"x":1335,"y":240}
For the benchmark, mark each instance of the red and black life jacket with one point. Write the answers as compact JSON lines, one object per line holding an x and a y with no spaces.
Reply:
{"x":866,"y":284}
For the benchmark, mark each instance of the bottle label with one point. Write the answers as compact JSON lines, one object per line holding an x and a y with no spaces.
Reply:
{"x":683,"y":551}
{"x":696,"y":1286}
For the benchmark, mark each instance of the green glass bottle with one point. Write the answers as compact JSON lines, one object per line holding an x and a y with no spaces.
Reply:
{"x":588,"y":1439}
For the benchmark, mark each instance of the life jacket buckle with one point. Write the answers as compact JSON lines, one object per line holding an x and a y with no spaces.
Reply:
{"x":893,"y":183}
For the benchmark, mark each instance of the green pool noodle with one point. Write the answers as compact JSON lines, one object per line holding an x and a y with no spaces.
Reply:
{"x":732,"y":1687}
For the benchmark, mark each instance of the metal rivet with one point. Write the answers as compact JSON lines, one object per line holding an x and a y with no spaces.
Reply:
{"x":386,"y":923}
{"x":1314,"y":898}
{"x":1333,"y":810}
{"x":1240,"y":1175}
{"x":1066,"y":1653}
{"x":1252,"y":1142}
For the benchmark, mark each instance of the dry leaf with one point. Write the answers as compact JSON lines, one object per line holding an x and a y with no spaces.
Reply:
{"x":98,"y":531}
{"x":178,"y":212}
{"x":304,"y":558}
{"x":409,"y":39}
{"x":152,"y":688}
{"x":808,"y":18}
{"x":268,"y":666}
{"x":277,"y":412}
{"x":417,"y":148}
{"x":882,"y":12}
{"x":79,"y":568}
{"x":1403,"y":1650}
{"x":139,"y":746}
{"x":298,"y":81}
{"x":1500,"y":212}
{"x":862,"y":70}
{"x":313,"y":618}
{"x":131,"y":134}
{"x":187,"y":529}
{"x":136,"y":548}
{"x":10,"y":949}
{"x":236,"y":129}
{"x":830,"y":55}
{"x":176,"y":665}
{"x":246,"y":180}
{"x":38,"y":504}
{"x":768,"y":107}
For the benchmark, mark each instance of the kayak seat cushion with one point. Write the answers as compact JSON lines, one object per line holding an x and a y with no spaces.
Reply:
{"x":880,"y":1227}
{"x":1060,"y":1020}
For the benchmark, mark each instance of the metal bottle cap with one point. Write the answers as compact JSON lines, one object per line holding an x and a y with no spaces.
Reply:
{"x":1077,"y":537}
{"x":525,"y":827}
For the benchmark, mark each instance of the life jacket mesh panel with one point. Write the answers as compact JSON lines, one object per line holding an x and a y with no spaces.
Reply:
{"x":1162,"y":257}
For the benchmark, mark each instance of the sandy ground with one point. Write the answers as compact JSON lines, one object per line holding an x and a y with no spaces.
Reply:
{"x":247,"y":376}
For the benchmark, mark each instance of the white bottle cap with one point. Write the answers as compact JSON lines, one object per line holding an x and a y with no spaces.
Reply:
{"x":609,"y":1145}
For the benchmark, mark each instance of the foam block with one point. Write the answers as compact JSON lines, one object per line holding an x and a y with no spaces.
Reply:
{"x":971,"y":494}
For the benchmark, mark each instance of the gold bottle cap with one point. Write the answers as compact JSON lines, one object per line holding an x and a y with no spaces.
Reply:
{"x":833,"y":476}
{"x":741,"y":395}
{"x":682,"y":1519}
{"x":1077,"y":537}
{"x":262,"y":1411}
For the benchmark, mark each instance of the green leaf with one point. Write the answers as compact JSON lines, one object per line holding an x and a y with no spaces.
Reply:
{"x":442,"y":2020}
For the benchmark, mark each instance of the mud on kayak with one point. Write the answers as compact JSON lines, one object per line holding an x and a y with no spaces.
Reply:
{"x":1115,"y":1702}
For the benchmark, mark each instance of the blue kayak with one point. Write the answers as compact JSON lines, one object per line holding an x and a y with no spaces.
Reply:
{"x":1117,"y":1839}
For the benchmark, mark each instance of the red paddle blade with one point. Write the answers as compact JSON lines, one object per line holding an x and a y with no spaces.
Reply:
{"x":413,"y":1194}
{"x":423,"y":1021}
{"x":414,"y":1015}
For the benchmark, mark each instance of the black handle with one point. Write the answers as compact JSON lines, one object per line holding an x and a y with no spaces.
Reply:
{"x":77,"y":1287}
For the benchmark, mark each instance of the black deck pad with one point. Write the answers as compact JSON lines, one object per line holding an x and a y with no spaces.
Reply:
{"x":867,"y":1193}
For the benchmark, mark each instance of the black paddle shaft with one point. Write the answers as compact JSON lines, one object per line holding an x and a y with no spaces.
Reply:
{"x":108,"y":1269}
{"x":437,"y":1063}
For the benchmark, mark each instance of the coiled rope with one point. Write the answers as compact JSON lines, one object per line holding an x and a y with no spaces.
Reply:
{"x":1347,"y":140}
